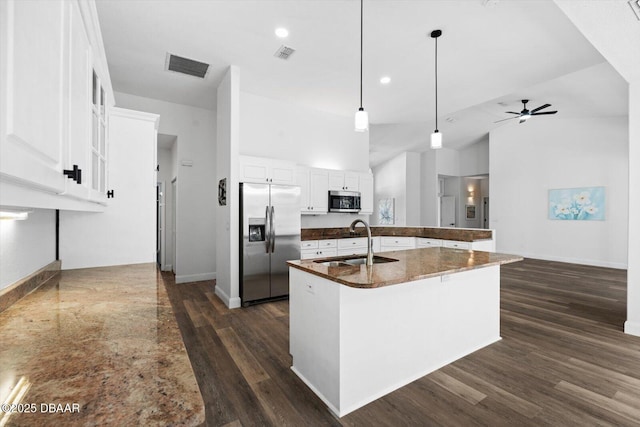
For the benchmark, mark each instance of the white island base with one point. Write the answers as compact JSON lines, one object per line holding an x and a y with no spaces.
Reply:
{"x":352,"y":346}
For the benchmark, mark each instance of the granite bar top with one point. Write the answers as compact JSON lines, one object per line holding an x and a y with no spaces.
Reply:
{"x":458,"y":234}
{"x":102,"y":346}
{"x":412,"y":264}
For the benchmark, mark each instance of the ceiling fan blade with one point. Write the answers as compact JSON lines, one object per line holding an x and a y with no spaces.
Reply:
{"x":512,"y":112}
{"x":540,"y":107}
{"x":545,"y":112}
{"x":505,"y":119}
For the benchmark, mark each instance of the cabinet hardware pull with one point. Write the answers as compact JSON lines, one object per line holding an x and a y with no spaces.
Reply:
{"x":110,"y":194}
{"x":75,"y":174}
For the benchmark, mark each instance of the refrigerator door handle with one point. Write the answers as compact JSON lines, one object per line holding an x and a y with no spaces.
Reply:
{"x":267,"y":233}
{"x":273,"y":231}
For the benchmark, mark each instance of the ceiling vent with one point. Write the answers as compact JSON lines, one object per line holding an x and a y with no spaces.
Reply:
{"x":284,"y":52}
{"x":186,"y":66}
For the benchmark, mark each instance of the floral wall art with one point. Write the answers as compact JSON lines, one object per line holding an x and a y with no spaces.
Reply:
{"x":577,"y":204}
{"x":386,"y":214}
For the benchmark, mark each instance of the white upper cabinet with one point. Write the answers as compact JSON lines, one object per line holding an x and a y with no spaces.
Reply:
{"x":343,"y":181}
{"x":366,"y":193}
{"x":314,"y":185}
{"x":49,"y":50}
{"x":33,"y":107}
{"x":79,"y":112}
{"x":266,"y":171}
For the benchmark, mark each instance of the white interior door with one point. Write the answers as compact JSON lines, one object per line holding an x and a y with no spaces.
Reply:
{"x":447,"y":211}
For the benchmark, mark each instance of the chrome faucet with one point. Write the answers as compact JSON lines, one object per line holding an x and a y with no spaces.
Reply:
{"x":352,"y":230}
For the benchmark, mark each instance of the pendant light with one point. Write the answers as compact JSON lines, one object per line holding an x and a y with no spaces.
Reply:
{"x":362,"y":117}
{"x":436,"y":136}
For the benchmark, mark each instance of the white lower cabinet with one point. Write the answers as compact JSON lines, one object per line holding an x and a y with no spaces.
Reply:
{"x":318,"y":248}
{"x":318,"y":253}
{"x":352,"y":246}
{"x":456,"y":245}
{"x":358,"y":245}
{"x":392,"y":243}
{"x":423,"y":242}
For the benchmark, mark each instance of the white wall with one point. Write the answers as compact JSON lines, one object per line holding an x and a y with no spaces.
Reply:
{"x":26,"y":246}
{"x":448,"y":162}
{"x":399,"y":178}
{"x":527,"y":161}
{"x":333,"y":219}
{"x":195,"y":129}
{"x":414,"y":189}
{"x":227,"y":226}
{"x":390,"y":181}
{"x":467,"y":184}
{"x":125,"y":233}
{"x":474,"y":159}
{"x":271,"y":128}
{"x":615,"y":32}
{"x":429,"y":205}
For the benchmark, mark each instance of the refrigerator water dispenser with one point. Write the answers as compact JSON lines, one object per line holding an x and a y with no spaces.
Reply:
{"x":256,"y":229}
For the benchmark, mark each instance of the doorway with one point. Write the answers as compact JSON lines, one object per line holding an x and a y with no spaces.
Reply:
{"x":160,"y":225}
{"x":174,"y":198}
{"x":447,"y":211}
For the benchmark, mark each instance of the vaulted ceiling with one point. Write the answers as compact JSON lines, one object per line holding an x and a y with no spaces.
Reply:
{"x":492,"y":54}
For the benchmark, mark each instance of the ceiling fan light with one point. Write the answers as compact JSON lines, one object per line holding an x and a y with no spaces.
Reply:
{"x":524,"y":117}
{"x":362,"y":120}
{"x":436,"y":140}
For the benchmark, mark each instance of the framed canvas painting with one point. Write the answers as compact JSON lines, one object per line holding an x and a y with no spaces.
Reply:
{"x":577,"y":204}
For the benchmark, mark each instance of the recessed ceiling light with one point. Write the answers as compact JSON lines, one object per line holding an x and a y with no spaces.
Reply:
{"x":385,"y":80}
{"x":282,"y":32}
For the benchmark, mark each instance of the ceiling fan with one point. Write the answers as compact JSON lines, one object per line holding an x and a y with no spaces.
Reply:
{"x":525,"y":114}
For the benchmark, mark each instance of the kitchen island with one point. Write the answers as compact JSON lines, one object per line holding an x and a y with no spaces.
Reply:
{"x":358,"y":332}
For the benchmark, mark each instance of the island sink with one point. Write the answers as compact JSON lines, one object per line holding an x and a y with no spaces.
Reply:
{"x":353,"y":260}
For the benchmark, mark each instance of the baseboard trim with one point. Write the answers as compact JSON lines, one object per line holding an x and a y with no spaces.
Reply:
{"x":632,"y":328}
{"x":185,"y":278}
{"x":591,"y":262}
{"x":16,"y":291}
{"x":229,"y":302}
{"x":167,"y":267}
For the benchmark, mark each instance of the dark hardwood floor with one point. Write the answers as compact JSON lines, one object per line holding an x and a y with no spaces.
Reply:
{"x":563,"y":360}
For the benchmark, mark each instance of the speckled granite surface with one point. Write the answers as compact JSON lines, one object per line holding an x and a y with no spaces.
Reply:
{"x":459,"y":234}
{"x":13,"y":293}
{"x":104,"y":339}
{"x":413,"y":264}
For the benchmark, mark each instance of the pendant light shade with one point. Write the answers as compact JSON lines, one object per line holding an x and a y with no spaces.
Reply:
{"x":362,"y":118}
{"x":436,"y":140}
{"x":436,"y":136}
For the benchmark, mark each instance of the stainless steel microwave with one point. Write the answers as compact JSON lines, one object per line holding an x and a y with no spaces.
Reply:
{"x":344,"y":201}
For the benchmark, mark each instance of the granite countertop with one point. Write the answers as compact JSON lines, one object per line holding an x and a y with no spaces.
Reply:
{"x":106,"y":342}
{"x":412,"y":264}
{"x":458,"y":234}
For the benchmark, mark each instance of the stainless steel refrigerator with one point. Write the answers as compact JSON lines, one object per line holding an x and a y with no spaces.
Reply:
{"x":270,"y":233}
